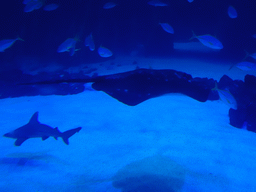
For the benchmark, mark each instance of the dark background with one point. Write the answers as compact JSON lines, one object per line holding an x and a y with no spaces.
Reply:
{"x":130,"y":24}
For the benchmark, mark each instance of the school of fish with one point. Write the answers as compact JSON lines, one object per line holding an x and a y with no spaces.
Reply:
{"x":69,"y":44}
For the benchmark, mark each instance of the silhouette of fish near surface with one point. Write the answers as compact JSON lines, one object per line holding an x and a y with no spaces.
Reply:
{"x":35,"y":129}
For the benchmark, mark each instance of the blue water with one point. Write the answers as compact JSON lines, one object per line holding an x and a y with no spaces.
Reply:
{"x":123,"y":28}
{"x":169,"y":143}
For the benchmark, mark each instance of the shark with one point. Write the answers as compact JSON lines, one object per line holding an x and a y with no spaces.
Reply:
{"x":34,"y":129}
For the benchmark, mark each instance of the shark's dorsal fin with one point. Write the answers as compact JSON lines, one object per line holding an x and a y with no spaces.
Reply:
{"x":19,"y":141}
{"x":34,"y":118}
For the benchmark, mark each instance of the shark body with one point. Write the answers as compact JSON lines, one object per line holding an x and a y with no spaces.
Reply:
{"x":35,"y":129}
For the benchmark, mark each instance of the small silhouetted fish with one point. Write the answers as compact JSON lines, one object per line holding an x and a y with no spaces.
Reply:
{"x":7,"y":43}
{"x":109,"y":5}
{"x":32,"y":5}
{"x":89,"y":42}
{"x":168,"y":28}
{"x":104,"y":52}
{"x":232,"y":12}
{"x":246,"y":66}
{"x":226,"y":97}
{"x":51,"y":7}
{"x":208,"y":41}
{"x":157,"y":3}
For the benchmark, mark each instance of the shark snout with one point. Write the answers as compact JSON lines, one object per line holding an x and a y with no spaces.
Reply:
{"x":8,"y":135}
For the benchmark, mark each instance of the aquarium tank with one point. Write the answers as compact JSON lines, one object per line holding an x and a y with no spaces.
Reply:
{"x":128,"y":95}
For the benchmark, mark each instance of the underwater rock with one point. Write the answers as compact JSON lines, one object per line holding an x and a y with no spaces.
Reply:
{"x":245,"y":95}
{"x":88,"y":71}
{"x":152,"y":83}
{"x":152,"y":174}
{"x":10,"y":80}
{"x":125,"y":88}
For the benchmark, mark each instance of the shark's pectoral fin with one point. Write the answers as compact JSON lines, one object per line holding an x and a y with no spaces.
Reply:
{"x":56,"y":129}
{"x":45,"y":137}
{"x":19,"y":141}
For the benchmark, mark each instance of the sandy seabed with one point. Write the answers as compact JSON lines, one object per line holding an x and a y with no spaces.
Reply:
{"x":171,"y":138}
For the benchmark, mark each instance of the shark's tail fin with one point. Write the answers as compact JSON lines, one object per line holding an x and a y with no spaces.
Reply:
{"x":69,"y":133}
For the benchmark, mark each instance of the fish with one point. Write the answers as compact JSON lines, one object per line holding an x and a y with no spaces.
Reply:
{"x":232,"y":12}
{"x":33,"y":5}
{"x":246,"y":66}
{"x":26,"y":1}
{"x":253,"y":55}
{"x":51,"y":7}
{"x":109,"y":5}
{"x":157,"y":3}
{"x":208,"y":41}
{"x":104,"y":52}
{"x":73,"y":49}
{"x":226,"y":97}
{"x":7,"y":43}
{"x":89,"y":42}
{"x":34,"y":129}
{"x":168,"y":28}
{"x":68,"y":46}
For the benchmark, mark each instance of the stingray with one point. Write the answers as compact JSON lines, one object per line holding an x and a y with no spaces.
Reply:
{"x":134,"y":87}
